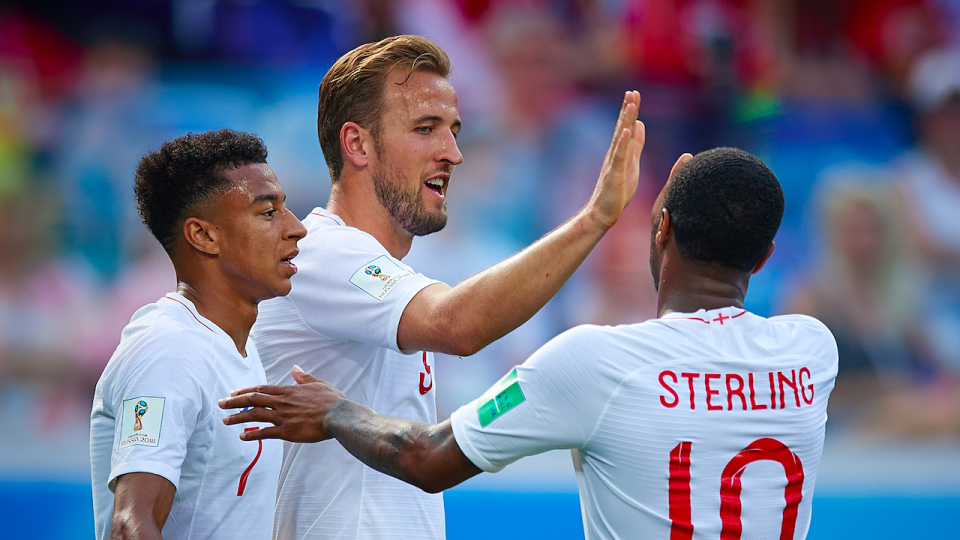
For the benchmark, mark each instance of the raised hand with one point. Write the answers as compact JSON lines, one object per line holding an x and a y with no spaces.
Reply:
{"x":621,"y":166}
{"x":296,"y":411}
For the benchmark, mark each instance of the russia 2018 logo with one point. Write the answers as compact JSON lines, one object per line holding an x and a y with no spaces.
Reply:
{"x":386,"y":274}
{"x":374,"y":271}
{"x":139,"y":410}
{"x":137,"y":427}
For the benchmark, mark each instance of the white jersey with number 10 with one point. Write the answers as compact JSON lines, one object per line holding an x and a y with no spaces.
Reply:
{"x":703,"y":425}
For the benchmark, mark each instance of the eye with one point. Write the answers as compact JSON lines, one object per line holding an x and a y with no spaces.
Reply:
{"x":425,"y":129}
{"x":269,"y":213}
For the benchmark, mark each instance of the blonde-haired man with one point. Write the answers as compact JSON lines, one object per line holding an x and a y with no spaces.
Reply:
{"x":360,"y":318}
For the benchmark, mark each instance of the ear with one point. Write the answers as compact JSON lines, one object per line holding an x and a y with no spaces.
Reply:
{"x":664,"y":229}
{"x":202,"y":235}
{"x":356,"y":144}
{"x":764,"y":260}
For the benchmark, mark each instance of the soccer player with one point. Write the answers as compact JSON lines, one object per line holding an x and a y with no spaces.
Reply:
{"x":361,"y":318}
{"x":162,"y":461}
{"x":707,"y":422}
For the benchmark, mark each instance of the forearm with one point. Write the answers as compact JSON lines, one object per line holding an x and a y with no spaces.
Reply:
{"x":141,"y":504}
{"x":420,"y":454}
{"x":492,"y":303}
{"x":131,"y":527}
{"x":464,"y":319}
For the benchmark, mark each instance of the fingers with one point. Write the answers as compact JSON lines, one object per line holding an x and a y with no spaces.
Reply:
{"x":254,"y":414}
{"x":271,"y":389}
{"x":640,"y":133}
{"x":681,"y":161}
{"x":302,"y":377}
{"x":248,"y":400}
{"x":620,"y":148}
{"x":628,"y":115}
{"x":272,"y":432}
{"x":637,"y":143}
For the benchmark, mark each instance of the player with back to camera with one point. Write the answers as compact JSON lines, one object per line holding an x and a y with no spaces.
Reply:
{"x":162,"y":461}
{"x":359,"y":317}
{"x":707,"y":422}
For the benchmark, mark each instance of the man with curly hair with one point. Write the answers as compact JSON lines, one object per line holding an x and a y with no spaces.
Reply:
{"x":162,"y":462}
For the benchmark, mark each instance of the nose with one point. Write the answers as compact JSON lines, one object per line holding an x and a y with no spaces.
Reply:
{"x":450,"y":152}
{"x":294,"y":229}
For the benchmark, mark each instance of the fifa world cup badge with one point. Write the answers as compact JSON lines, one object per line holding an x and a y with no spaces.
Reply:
{"x":139,"y":410}
{"x":374,"y":270}
{"x":379,"y":276}
{"x":137,"y":427}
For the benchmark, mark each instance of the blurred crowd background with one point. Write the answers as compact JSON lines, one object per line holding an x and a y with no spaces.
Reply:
{"x":854,"y":104}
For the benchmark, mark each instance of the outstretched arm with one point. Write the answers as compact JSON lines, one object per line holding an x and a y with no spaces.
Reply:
{"x":467,"y":317}
{"x":421,"y":454}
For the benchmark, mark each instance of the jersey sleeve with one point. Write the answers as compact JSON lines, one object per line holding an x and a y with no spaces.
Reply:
{"x":551,"y":401}
{"x":819,"y":342}
{"x":159,"y":402}
{"x":351,"y":288}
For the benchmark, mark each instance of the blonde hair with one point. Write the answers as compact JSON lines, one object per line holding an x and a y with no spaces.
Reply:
{"x":352,"y":90}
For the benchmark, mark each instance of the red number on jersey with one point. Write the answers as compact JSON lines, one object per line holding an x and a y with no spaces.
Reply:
{"x":730,"y":507}
{"x":246,"y":473}
{"x":423,"y":376}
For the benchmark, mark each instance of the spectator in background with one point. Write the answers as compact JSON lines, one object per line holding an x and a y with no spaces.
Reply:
{"x":541,"y":147}
{"x":870,"y":294}
{"x":864,"y":290}
{"x":930,"y":182}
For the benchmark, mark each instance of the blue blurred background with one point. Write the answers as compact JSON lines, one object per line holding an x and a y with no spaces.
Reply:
{"x":854,"y":104}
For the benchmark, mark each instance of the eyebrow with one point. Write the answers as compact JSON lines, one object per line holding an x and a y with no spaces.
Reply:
{"x":268,"y":197}
{"x":435,"y":118}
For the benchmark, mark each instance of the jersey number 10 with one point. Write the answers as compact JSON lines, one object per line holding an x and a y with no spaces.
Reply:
{"x":761,"y":449}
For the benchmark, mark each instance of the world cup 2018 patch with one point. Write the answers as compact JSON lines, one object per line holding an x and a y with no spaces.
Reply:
{"x":378,"y":277}
{"x":140,"y":421}
{"x":500,"y":398}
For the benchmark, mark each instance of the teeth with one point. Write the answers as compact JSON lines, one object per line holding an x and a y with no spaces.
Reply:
{"x":435,"y":182}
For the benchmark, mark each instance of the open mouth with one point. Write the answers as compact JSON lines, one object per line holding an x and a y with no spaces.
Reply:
{"x":437,"y":185}
{"x":288,"y":261}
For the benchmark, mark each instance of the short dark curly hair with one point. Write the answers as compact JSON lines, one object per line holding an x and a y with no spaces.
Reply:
{"x":176,"y":180}
{"x":725,"y":208}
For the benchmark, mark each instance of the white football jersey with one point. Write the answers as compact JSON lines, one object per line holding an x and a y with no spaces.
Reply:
{"x":339,"y":323}
{"x":155,"y":411}
{"x":705,"y":425}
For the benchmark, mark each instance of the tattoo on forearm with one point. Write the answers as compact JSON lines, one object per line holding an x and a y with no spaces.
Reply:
{"x":376,"y":440}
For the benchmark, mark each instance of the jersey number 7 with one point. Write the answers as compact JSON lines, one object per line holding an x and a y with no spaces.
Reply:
{"x":761,"y":449}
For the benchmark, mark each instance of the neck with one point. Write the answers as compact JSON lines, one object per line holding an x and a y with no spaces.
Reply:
{"x":223,"y":307}
{"x":691,"y":287}
{"x":355,"y":202}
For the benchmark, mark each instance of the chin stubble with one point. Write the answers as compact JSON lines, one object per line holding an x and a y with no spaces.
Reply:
{"x":405,"y":206}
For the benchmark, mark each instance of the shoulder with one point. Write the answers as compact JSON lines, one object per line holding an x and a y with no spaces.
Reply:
{"x":332,"y":248}
{"x":592,"y":347}
{"x":801,"y":323}
{"x":803,"y":334}
{"x":582,"y":336}
{"x":326,"y":231}
{"x":165,"y":340}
